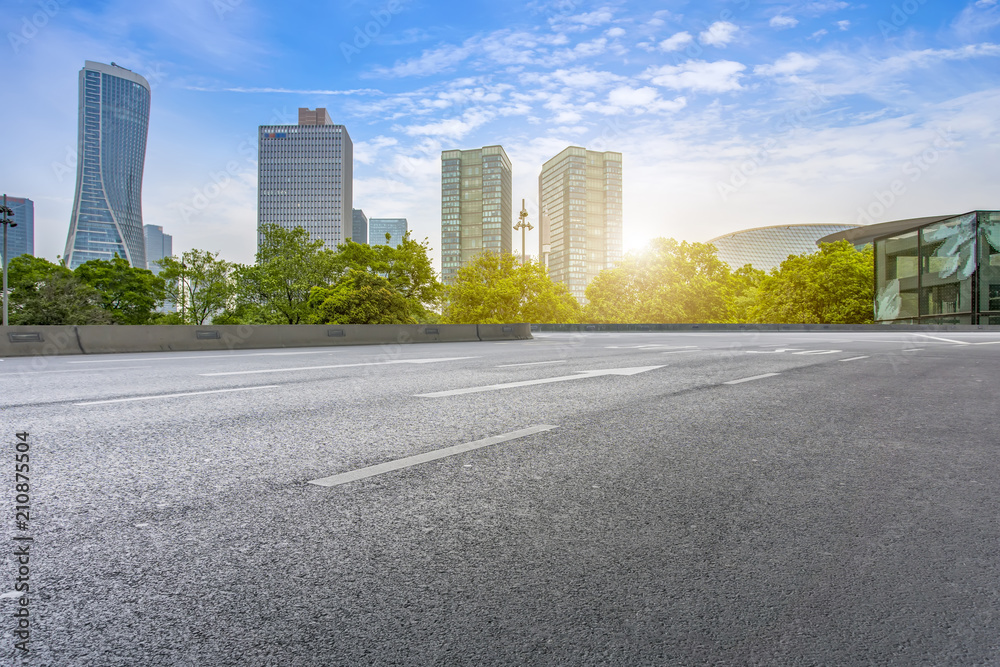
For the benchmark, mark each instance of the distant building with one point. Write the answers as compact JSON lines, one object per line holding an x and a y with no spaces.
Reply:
{"x":359,"y":233}
{"x":305,"y":175}
{"x":20,"y":239}
{"x":379,"y":227}
{"x":107,"y":208}
{"x":767,"y":247}
{"x":158,"y":246}
{"x":580,"y":225}
{"x":943,"y":269}
{"x":475,"y":206}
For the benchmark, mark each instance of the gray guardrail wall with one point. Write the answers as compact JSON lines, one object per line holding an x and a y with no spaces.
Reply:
{"x":26,"y":341}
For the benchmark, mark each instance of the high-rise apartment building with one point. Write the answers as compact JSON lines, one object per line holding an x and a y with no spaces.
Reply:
{"x":475,"y":206}
{"x":580,"y":225}
{"x":379,"y":227}
{"x":111,"y":153}
{"x":305,"y":175}
{"x":158,"y":246}
{"x":359,"y":233}
{"x":20,"y":239}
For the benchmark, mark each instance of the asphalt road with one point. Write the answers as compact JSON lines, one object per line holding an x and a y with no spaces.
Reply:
{"x":779,"y":498}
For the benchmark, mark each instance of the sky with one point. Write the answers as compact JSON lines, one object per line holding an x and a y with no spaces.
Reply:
{"x":729,"y":114}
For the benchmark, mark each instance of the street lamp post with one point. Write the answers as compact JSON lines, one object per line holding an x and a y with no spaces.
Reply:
{"x":7,"y":222}
{"x":523,"y":225}
{"x":183,"y":294}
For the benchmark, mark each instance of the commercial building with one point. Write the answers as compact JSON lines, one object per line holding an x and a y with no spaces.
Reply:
{"x":305,"y":177}
{"x":111,"y":153}
{"x":580,"y":225}
{"x":935,"y":270}
{"x":359,"y":228}
{"x":158,"y":246}
{"x":475,"y":206}
{"x":767,"y":247}
{"x":379,"y":227}
{"x":20,"y":239}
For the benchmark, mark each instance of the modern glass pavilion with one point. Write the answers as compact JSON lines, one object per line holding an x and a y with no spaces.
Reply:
{"x":936,"y":270}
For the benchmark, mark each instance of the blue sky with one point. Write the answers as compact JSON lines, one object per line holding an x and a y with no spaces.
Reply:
{"x":729,"y":114}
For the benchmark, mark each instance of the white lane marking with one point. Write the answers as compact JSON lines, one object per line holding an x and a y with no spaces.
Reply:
{"x":913,"y":349}
{"x":189,"y":393}
{"x":947,"y":340}
{"x":409,"y":461}
{"x":534,"y":363}
{"x":780,"y":349}
{"x":755,"y":377}
{"x":818,"y":352}
{"x":854,"y":358}
{"x":675,"y":351}
{"x":988,"y":342}
{"x":75,"y":370}
{"x":510,"y":385}
{"x":316,"y":368}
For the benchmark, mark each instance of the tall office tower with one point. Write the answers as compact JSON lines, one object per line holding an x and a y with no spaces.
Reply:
{"x":580,"y":228}
{"x":20,"y":239}
{"x":475,"y":206}
{"x":359,"y":233}
{"x":158,"y":246}
{"x":305,"y":175}
{"x":111,"y":152}
{"x":379,"y":227}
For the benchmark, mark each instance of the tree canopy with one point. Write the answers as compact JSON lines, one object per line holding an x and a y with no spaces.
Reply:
{"x":130,"y":295}
{"x":43,"y":293}
{"x":199,"y":283}
{"x":360,"y":298}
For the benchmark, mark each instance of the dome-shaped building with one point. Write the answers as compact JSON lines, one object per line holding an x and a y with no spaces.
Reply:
{"x":767,"y":247}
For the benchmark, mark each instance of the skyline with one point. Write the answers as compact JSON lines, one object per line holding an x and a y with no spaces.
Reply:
{"x":729,"y":115}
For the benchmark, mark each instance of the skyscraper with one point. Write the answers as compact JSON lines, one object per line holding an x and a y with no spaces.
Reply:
{"x":475,"y":206}
{"x":379,"y":227}
{"x":20,"y":239}
{"x":111,"y":152}
{"x":305,"y":176}
{"x":580,"y":225}
{"x":158,"y":246}
{"x":359,"y":227}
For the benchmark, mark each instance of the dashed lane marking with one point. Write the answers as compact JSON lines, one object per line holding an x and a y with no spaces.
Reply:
{"x":534,"y":363}
{"x":855,"y":358}
{"x":754,"y":377}
{"x":189,"y":393}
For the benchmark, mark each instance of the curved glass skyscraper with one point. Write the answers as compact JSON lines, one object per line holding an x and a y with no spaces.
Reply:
{"x":107,"y":210}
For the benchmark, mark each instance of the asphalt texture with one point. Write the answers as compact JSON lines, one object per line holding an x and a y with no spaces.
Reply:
{"x":843,"y":511}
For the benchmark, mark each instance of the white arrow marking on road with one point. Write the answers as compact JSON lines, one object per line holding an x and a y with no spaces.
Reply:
{"x":510,"y":385}
{"x":315,"y":368}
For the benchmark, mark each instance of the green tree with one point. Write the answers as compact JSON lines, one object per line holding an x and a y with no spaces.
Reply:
{"x":742,"y":296}
{"x":43,"y":293}
{"x":669,"y":282}
{"x":360,"y":298}
{"x":130,"y":295}
{"x":496,"y":288}
{"x":288,"y":265}
{"x":199,"y":283}
{"x":834,"y":285}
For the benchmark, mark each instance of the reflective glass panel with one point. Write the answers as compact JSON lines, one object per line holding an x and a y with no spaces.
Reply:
{"x":989,"y":262}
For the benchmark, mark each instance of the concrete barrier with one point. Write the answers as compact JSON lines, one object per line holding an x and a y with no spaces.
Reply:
{"x":44,"y":341}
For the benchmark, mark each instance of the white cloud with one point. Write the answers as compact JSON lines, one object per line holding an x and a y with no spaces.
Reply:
{"x":791,"y":63}
{"x":843,"y":25}
{"x":819,"y":33}
{"x":716,"y":77}
{"x":584,"y":20}
{"x":615,"y":32}
{"x":719,"y":33}
{"x":780,"y":21}
{"x":676,"y":42}
{"x":431,"y":61}
{"x":366,"y":152}
{"x":452,"y":128}
{"x":624,"y":96}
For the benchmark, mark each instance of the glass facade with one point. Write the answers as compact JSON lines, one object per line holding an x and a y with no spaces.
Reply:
{"x":359,"y":228}
{"x":580,"y":228}
{"x":379,"y":227}
{"x":945,"y":272}
{"x":767,"y":247}
{"x":158,"y":246}
{"x":107,"y":210}
{"x":20,"y":239}
{"x":305,"y":176}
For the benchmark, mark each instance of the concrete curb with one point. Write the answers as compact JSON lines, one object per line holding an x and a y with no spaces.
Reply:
{"x":762,"y":327}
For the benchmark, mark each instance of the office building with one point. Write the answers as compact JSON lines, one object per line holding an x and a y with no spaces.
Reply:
{"x":942,"y":269}
{"x":379,"y":227}
{"x":20,"y":239}
{"x":158,"y":246}
{"x":359,"y":233}
{"x":765,"y":248}
{"x":580,"y":221}
{"x":305,"y":175}
{"x":111,"y":150}
{"x":475,"y":206}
